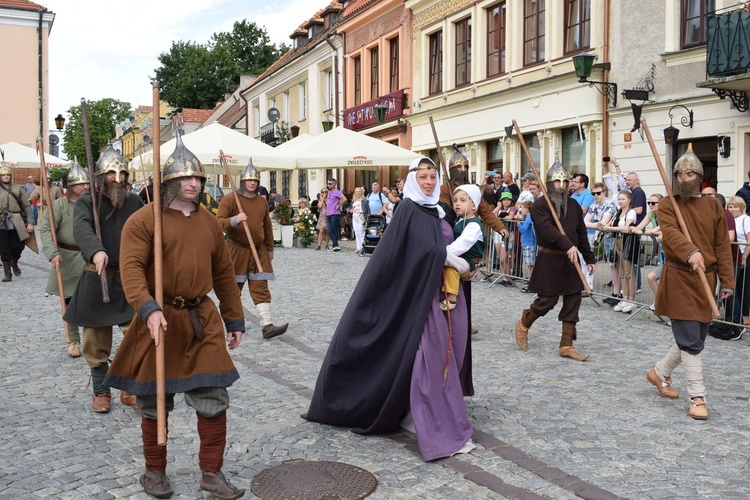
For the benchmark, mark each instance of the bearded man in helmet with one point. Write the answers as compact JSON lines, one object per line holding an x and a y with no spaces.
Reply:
{"x":254,"y":210}
{"x":66,"y":256}
{"x":197,"y":362}
{"x":115,"y":205}
{"x":558,"y":260}
{"x":681,"y":296}
{"x":16,"y":224}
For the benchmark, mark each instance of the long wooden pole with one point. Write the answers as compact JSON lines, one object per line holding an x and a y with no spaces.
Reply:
{"x":161,"y":412}
{"x":552,"y":210}
{"x":239,"y":208}
{"x":678,"y":213}
{"x":441,"y":160}
{"x":94,"y":198}
{"x":52,"y":230}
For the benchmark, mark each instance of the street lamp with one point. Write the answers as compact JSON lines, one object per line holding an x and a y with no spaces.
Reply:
{"x":584,"y":64}
{"x":327,"y":125}
{"x":294,"y":129}
{"x":59,"y":121}
{"x":671,"y":133}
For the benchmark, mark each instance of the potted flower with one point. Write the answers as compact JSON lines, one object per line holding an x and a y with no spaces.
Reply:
{"x":305,"y":227}
{"x":283,"y":214}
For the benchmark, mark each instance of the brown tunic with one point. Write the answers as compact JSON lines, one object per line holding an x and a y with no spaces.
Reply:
{"x":681,"y":295}
{"x":195,"y":261}
{"x":259,"y":222}
{"x":554,"y":274}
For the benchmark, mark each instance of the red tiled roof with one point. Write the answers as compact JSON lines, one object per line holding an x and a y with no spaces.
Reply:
{"x":233,"y":114}
{"x":355,"y":6}
{"x":21,"y":5}
{"x":196,"y":115}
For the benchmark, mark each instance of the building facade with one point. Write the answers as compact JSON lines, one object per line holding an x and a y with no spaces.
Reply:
{"x":24,"y":89}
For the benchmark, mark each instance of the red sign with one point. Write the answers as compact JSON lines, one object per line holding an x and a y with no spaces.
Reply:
{"x":362,"y":116}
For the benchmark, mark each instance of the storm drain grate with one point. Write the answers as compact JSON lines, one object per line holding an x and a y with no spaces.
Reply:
{"x":313,"y":480}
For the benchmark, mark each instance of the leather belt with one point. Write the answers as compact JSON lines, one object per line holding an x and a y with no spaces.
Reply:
{"x":551,"y":250}
{"x":112,"y":271}
{"x":241,"y":245}
{"x":192,"y":306}
{"x":72,"y":248}
{"x":685,"y":267}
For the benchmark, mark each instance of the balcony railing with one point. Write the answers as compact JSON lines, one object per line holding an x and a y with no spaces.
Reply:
{"x":728,"y":43}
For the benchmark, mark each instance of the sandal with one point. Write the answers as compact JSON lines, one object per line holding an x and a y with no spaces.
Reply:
{"x":525,"y":289}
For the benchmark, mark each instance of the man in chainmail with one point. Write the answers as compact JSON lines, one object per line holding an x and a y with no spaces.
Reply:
{"x":87,"y":307}
{"x":558,"y":260}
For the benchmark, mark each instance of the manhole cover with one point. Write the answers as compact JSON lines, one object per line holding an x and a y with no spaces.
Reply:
{"x":313,"y":480}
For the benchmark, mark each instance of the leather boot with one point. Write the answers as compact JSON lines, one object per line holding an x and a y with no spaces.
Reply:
{"x":156,"y":483}
{"x":74,"y":350}
{"x":16,"y":269}
{"x":522,"y":328}
{"x":128,"y":399}
{"x":698,"y":408}
{"x":271,"y":331}
{"x":218,"y":485}
{"x":6,"y":270}
{"x":566,"y":349}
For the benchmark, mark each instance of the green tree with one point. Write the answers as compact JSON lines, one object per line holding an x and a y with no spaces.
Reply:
{"x":194,"y":75}
{"x":103,"y":115}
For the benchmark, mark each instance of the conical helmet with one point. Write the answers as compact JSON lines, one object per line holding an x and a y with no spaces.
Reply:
{"x":111,"y":161}
{"x":250,"y":173}
{"x":557,"y":172}
{"x":182,"y":163}
{"x":4,"y":169}
{"x":77,"y":174}
{"x":458,"y":159}
{"x":688,"y":162}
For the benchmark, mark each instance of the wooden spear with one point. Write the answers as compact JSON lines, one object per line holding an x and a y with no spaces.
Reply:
{"x":441,"y":160}
{"x":94,"y":198}
{"x":52,"y":230}
{"x":678,"y":213}
{"x":552,"y":210}
{"x":161,"y":412}
{"x":239,"y":209}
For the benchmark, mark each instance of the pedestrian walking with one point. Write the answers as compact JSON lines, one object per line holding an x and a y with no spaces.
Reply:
{"x":681,"y":295}
{"x":197,"y":362}
{"x":252,"y":210}
{"x":66,"y":256}
{"x":115,"y":204}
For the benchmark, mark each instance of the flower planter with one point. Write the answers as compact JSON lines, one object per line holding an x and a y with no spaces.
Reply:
{"x":287,"y":236}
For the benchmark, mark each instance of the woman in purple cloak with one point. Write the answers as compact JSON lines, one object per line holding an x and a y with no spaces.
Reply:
{"x":395,"y":356}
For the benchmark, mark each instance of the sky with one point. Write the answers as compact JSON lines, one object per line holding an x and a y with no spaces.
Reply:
{"x":102,"y":49}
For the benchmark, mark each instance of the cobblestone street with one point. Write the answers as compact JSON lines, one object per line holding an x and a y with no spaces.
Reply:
{"x":545,"y":427}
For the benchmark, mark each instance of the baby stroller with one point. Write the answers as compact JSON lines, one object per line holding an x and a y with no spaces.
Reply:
{"x":374,"y":227}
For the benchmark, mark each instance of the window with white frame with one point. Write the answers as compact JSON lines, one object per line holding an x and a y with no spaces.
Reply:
{"x":287,"y":104}
{"x":577,"y":25}
{"x":302,"y":101}
{"x":463,"y":52}
{"x":328,"y":90}
{"x":436,"y":62}
{"x":496,"y":19}
{"x":533,"y":32}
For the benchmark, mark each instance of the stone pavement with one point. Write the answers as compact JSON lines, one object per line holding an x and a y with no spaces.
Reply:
{"x":545,"y":427}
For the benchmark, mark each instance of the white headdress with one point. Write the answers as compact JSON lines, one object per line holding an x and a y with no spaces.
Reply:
{"x":473,"y":192}
{"x":413,"y":192}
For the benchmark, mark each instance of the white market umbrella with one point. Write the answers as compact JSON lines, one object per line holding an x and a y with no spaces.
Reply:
{"x":238,"y":148}
{"x":18,"y":155}
{"x":344,"y":148}
{"x":287,"y":148}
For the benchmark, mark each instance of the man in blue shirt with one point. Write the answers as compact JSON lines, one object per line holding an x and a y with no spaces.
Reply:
{"x":377,"y":200}
{"x":579,"y":184}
